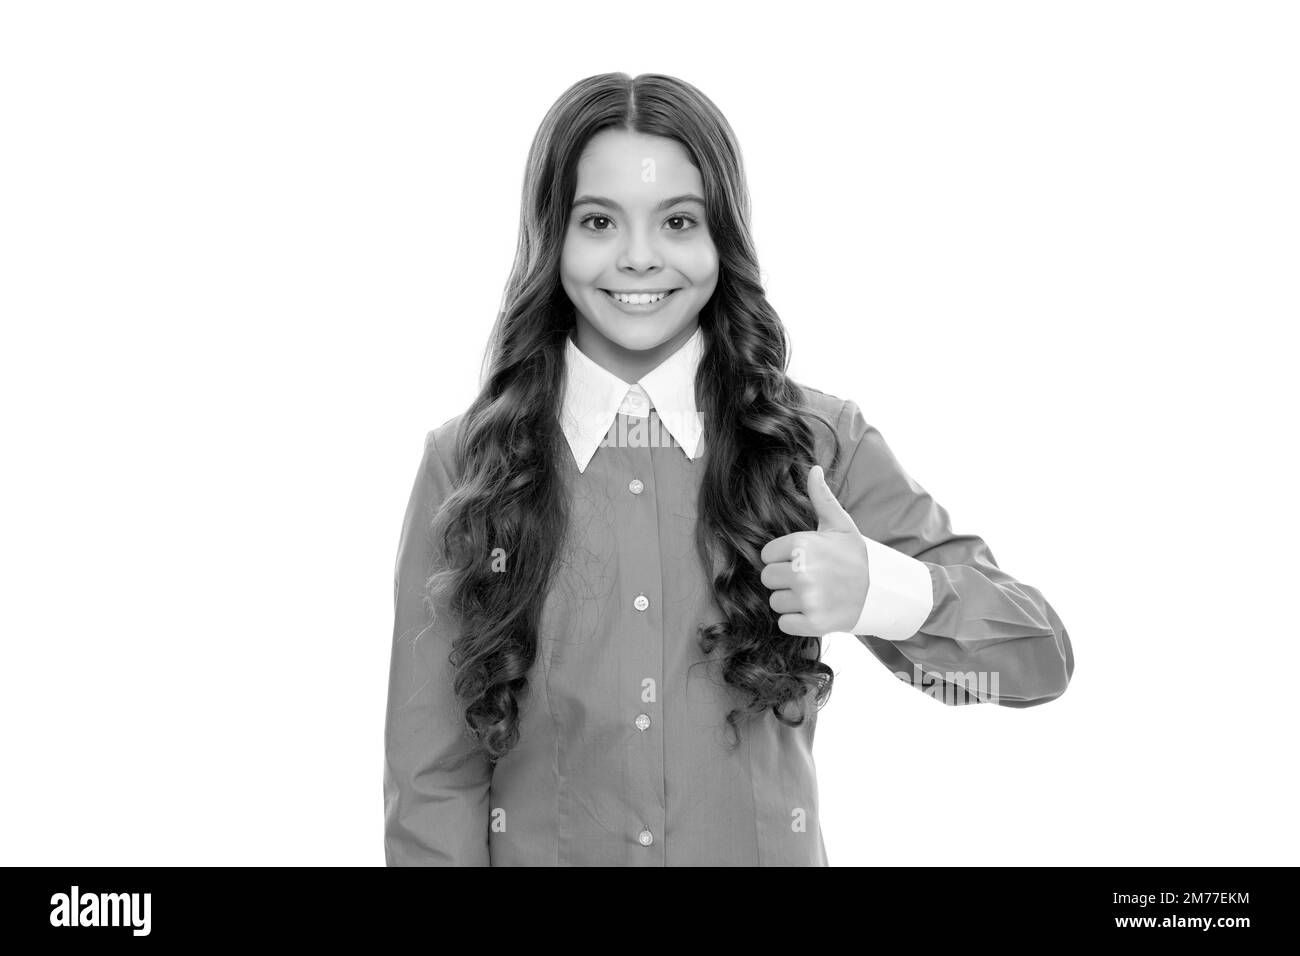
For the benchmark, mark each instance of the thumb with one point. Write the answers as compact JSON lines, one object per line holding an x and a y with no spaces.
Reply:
{"x":831,"y":515}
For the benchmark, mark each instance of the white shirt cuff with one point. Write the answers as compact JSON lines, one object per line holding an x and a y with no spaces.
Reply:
{"x":900,"y":597}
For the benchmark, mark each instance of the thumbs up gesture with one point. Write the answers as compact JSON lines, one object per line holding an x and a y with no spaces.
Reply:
{"x":818,"y":579}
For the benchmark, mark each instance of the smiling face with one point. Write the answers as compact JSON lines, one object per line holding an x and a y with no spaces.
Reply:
{"x":637,"y":225}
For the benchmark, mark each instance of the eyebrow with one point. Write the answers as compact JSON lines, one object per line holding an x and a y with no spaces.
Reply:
{"x":609,"y":203}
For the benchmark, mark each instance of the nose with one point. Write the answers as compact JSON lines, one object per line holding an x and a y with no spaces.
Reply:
{"x":639,"y":253}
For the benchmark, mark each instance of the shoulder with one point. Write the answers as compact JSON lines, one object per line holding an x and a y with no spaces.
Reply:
{"x":847,"y":429}
{"x":819,"y":400}
{"x":440,"y":454}
{"x":845,"y":417}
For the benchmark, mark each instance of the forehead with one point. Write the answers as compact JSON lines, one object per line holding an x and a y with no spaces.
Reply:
{"x":636,"y":167}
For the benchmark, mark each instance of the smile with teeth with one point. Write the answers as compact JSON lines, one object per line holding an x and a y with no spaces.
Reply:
{"x":640,"y":298}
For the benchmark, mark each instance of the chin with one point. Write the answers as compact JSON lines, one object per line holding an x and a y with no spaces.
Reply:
{"x":637,"y":332}
{"x":638,"y":337}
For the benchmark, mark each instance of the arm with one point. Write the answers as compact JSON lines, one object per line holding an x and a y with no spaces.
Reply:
{"x":977,"y":619}
{"x":436,"y":785}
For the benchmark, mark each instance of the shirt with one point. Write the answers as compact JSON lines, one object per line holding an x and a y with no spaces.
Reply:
{"x":901,"y":594}
{"x":623,"y":755}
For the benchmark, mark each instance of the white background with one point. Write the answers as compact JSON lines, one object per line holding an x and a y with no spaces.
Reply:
{"x":250,"y":254}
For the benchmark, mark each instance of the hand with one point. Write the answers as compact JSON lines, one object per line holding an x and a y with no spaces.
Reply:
{"x":819,"y":579}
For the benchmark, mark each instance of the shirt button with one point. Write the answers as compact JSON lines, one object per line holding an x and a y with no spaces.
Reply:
{"x":636,"y":486}
{"x":635,"y":399}
{"x":641,"y":603}
{"x":642,"y":721}
{"x":645,"y":837}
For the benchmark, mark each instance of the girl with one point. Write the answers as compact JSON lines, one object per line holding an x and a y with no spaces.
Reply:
{"x":617,"y":565}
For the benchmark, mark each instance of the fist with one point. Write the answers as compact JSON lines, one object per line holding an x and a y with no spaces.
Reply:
{"x":818,"y":579}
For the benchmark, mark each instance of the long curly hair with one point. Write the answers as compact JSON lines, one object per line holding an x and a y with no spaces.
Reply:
{"x":510,"y":494}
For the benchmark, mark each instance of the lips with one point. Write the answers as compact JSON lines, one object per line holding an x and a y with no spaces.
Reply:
{"x":639,"y":297}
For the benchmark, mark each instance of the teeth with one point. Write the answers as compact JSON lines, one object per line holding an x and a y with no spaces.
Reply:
{"x":639,"y":299}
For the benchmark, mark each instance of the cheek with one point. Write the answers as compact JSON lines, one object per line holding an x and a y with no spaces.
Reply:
{"x":699,"y":263}
{"x":579,"y":263}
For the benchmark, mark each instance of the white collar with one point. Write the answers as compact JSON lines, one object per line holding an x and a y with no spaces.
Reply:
{"x":594,"y":396}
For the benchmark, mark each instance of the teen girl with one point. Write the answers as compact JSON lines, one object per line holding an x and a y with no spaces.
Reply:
{"x":617,"y":565}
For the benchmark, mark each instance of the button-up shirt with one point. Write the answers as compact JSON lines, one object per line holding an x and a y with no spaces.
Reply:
{"x":901,"y":594}
{"x":623,"y":756}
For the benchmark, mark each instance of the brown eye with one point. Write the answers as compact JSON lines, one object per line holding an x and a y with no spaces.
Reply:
{"x":587,"y":219}
{"x":683,"y":219}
